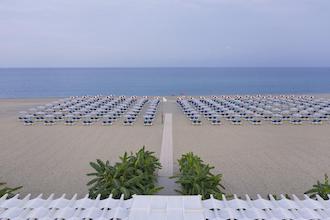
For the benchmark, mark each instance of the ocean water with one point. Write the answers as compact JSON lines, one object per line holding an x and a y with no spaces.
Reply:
{"x":61,"y":82}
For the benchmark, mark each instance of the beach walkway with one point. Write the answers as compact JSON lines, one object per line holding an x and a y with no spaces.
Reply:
{"x":166,"y":153}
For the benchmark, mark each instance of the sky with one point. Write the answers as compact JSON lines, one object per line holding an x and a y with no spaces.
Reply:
{"x":164,"y":33}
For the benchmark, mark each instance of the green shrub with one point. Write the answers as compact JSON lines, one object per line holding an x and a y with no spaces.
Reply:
{"x":196,"y":178}
{"x":7,"y":190}
{"x":133,"y":174}
{"x":321,"y":189}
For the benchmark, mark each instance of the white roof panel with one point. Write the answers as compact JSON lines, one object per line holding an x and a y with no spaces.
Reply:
{"x":163,"y":207}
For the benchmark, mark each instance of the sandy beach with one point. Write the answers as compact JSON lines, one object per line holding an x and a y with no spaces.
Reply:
{"x":254,"y":159}
{"x":46,"y":159}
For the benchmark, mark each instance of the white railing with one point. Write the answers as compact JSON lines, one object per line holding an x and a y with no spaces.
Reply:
{"x":163,"y":207}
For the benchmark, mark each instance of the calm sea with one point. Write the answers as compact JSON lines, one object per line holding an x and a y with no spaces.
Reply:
{"x":60,"y":82}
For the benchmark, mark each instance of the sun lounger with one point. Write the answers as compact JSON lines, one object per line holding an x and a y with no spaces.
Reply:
{"x":107,"y":122}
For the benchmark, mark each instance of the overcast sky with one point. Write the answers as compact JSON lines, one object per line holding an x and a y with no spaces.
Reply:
{"x":69,"y":33}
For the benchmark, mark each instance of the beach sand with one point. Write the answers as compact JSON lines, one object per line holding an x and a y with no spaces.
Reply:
{"x":46,"y":159}
{"x":253,"y":159}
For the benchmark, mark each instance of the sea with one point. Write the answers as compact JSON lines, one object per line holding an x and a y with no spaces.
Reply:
{"x":63,"y":82}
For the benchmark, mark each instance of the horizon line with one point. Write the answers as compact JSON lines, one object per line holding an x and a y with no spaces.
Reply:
{"x":160,"y":67}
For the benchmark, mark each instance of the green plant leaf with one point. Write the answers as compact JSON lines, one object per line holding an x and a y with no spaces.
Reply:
{"x":8,"y":190}
{"x":195,"y":177}
{"x":133,"y":174}
{"x":320,"y":188}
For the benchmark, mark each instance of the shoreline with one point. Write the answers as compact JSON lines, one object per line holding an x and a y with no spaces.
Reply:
{"x":325,"y":94}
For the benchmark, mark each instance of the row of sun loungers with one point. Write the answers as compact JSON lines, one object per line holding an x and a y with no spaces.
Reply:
{"x":106,"y":113}
{"x":131,"y":116}
{"x":193,"y":115}
{"x":206,"y":111}
{"x":117,"y":112}
{"x":71,"y":110}
{"x":85,"y":110}
{"x":236,"y":109}
{"x":150,"y":113}
{"x":255,"y":109}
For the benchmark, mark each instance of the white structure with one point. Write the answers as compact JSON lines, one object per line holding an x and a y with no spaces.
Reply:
{"x":164,"y":207}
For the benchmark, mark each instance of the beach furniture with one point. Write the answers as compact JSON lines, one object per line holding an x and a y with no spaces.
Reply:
{"x":296,"y":119}
{"x":267,"y":107}
{"x":236,"y":120}
{"x":76,"y":116}
{"x":98,"y":114}
{"x":112,"y":116}
{"x":93,"y":117}
{"x":148,"y":120}
{"x":326,"y":111}
{"x":230,"y":114}
{"x":256,"y":119}
{"x":88,"y":120}
{"x":213,"y":116}
{"x":21,"y":115}
{"x":247,"y":114}
{"x":195,"y":116}
{"x":293,"y":110}
{"x":148,"y":123}
{"x":69,"y":119}
{"x":324,"y":117}
{"x":39,"y":116}
{"x":150,"y":113}
{"x":225,"y":113}
{"x":286,"y":115}
{"x":58,"y":116}
{"x":277,"y":119}
{"x":49,"y":120}
{"x":28,"y":120}
{"x":316,"y":119}
{"x":209,"y":115}
{"x":106,"y":121}
{"x":304,"y":115}
{"x":267,"y":115}
{"x":196,"y":122}
{"x":128,"y":122}
{"x":216,"y":121}
{"x":129,"y":119}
